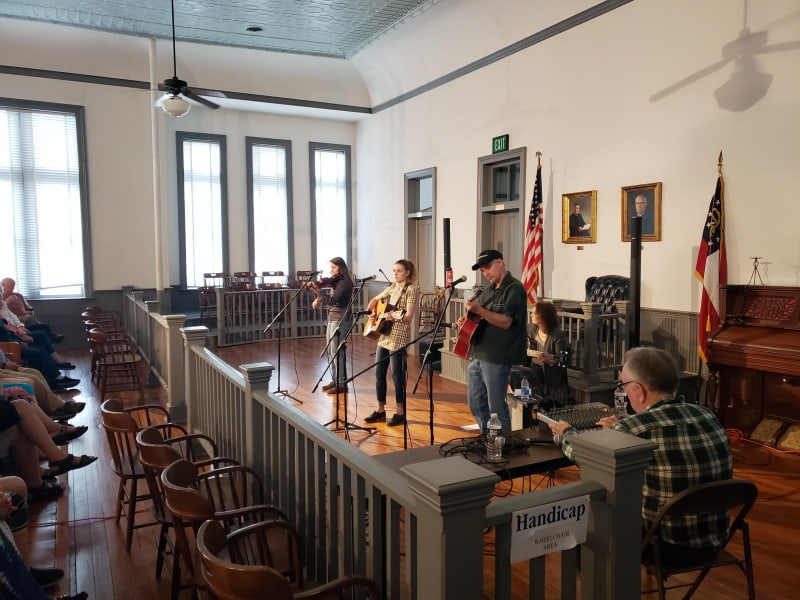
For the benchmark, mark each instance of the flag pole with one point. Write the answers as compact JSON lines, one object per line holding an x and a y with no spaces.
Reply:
{"x":540,"y":291}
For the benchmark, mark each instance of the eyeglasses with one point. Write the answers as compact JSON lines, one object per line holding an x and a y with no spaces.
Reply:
{"x":621,"y":384}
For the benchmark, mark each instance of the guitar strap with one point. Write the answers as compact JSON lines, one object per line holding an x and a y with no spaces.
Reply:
{"x":395,"y":306}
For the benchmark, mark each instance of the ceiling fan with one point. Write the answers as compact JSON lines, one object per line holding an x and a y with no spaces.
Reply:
{"x":174,"y":101}
{"x":747,"y":84}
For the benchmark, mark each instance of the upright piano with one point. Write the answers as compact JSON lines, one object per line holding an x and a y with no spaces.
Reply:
{"x":754,"y":363}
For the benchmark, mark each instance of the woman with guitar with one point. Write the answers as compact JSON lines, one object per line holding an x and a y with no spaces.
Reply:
{"x":342,"y":289}
{"x":395,"y":306}
{"x":551,"y":348}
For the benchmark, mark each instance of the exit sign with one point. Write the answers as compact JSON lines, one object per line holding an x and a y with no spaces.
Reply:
{"x":500,"y":143}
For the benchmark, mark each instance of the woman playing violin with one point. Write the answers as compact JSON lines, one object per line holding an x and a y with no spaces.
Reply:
{"x":338,"y":314}
{"x":401,"y":298}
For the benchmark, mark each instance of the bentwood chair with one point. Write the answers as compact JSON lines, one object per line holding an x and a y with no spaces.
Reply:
{"x":733,"y":497}
{"x":116,"y":359}
{"x":236,"y":567}
{"x":157,"y":450}
{"x":121,"y":426}
{"x":233,"y":495}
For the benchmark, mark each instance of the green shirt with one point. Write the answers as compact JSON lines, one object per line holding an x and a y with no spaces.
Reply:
{"x":497,"y":345}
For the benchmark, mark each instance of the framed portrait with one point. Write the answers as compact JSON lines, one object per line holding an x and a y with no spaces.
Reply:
{"x":642,"y":201}
{"x":579,"y":218}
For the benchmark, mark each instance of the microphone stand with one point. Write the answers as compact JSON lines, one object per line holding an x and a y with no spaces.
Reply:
{"x":284,"y":393}
{"x":337,"y":330}
{"x":424,"y":361}
{"x":339,"y":424}
{"x":391,"y":354}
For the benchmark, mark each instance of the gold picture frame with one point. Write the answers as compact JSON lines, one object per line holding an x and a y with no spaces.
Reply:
{"x":579,"y":217}
{"x":649,"y":195}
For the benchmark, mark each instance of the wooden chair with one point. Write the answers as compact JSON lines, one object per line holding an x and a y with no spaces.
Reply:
{"x":233,"y":495}
{"x":12,"y":351}
{"x":121,"y":426}
{"x":159,"y":447}
{"x":734,"y":496}
{"x":117,"y":360}
{"x":272,"y":279}
{"x":104,"y":320}
{"x":217,"y":280}
{"x":244,"y":281}
{"x":236,"y":567}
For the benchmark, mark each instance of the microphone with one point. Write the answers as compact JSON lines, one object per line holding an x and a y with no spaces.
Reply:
{"x":370,"y":278}
{"x":384,"y":275}
{"x":362,"y":312}
{"x":461,"y":279}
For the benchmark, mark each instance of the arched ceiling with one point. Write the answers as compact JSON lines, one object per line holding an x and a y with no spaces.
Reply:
{"x":332,"y":28}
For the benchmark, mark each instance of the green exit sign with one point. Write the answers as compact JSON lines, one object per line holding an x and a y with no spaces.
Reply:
{"x":500,"y":143}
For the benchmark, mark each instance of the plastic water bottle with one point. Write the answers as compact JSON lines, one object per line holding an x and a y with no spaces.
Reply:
{"x":525,"y":389}
{"x":494,"y":441}
{"x":620,"y":404}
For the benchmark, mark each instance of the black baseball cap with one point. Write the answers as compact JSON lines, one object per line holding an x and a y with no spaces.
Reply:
{"x":485,"y":257}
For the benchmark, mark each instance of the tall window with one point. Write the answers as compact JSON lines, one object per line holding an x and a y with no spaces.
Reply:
{"x":202,"y":206}
{"x":43,"y":198}
{"x":330,"y":202}
{"x":269,"y":169}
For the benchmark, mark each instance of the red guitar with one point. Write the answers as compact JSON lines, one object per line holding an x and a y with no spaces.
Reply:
{"x":467,"y":330}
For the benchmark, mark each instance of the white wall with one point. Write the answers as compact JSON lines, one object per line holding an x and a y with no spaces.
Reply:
{"x":131,"y":145}
{"x":583,"y":98}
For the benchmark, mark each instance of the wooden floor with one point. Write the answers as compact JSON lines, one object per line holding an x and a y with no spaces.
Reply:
{"x":78,"y":534}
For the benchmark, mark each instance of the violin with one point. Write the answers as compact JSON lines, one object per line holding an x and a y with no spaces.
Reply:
{"x":325,"y":282}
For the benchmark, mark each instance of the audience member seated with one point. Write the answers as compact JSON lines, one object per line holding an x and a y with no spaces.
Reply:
{"x":17,"y":520}
{"x":37,"y":338}
{"x":52,"y":405}
{"x":16,"y":579}
{"x":20,"y":307}
{"x":691,"y":448}
{"x":39,"y":360}
{"x":19,"y":388}
{"x":34,"y":435}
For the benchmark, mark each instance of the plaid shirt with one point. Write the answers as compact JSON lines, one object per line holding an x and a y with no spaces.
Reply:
{"x":401,"y":298}
{"x":691,"y":448}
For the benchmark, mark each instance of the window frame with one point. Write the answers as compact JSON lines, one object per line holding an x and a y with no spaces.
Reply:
{"x":180,"y":137}
{"x":250,"y":142}
{"x":79,"y":113}
{"x":317,"y":261}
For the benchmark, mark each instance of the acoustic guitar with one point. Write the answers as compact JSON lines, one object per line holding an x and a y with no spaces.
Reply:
{"x":467,"y":330}
{"x":379,"y":323}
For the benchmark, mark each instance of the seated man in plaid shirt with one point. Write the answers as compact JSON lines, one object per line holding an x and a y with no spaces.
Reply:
{"x":691,"y":448}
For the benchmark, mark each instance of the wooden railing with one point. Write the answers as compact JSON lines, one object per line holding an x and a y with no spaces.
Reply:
{"x":160,"y":344}
{"x":598,"y":341}
{"x":243,"y":316}
{"x":418,"y":533}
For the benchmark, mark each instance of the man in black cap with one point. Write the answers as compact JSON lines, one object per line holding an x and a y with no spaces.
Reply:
{"x":499,"y":342}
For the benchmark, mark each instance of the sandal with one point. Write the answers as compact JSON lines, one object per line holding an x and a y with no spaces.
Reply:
{"x":65,"y":435}
{"x":59,"y":467}
{"x":48,"y":489}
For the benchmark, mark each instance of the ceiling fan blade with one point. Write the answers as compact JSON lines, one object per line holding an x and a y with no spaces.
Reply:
{"x":690,"y":79}
{"x":205,"y":92}
{"x":189,"y":93}
{"x":779,"y":47}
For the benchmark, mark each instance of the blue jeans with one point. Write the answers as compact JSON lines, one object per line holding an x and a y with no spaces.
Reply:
{"x":398,"y":360}
{"x":486,"y":392}
{"x":339,"y":366}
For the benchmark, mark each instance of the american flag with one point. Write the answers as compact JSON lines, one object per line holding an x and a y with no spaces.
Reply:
{"x":532,"y":257}
{"x":711,"y":269}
